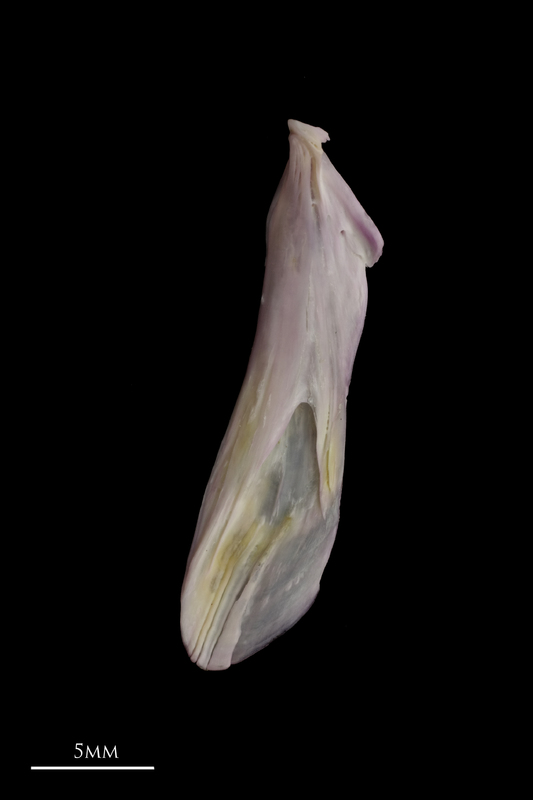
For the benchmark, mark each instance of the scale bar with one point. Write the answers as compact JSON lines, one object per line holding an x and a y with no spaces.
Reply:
{"x":103,"y":768}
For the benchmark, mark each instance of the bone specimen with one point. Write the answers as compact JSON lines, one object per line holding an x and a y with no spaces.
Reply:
{"x":271,"y":508}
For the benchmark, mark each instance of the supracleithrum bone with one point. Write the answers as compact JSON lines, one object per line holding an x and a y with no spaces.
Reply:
{"x":271,"y":508}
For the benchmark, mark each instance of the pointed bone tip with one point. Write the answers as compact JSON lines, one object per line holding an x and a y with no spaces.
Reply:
{"x":310,"y":134}
{"x":375,"y":248}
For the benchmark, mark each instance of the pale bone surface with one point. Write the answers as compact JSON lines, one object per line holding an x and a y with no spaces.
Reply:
{"x":271,"y":508}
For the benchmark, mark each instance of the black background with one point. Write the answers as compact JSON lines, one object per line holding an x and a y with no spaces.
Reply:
{"x":152,"y":189}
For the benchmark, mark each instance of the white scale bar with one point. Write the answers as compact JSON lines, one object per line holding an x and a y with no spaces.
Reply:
{"x":104,"y":768}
